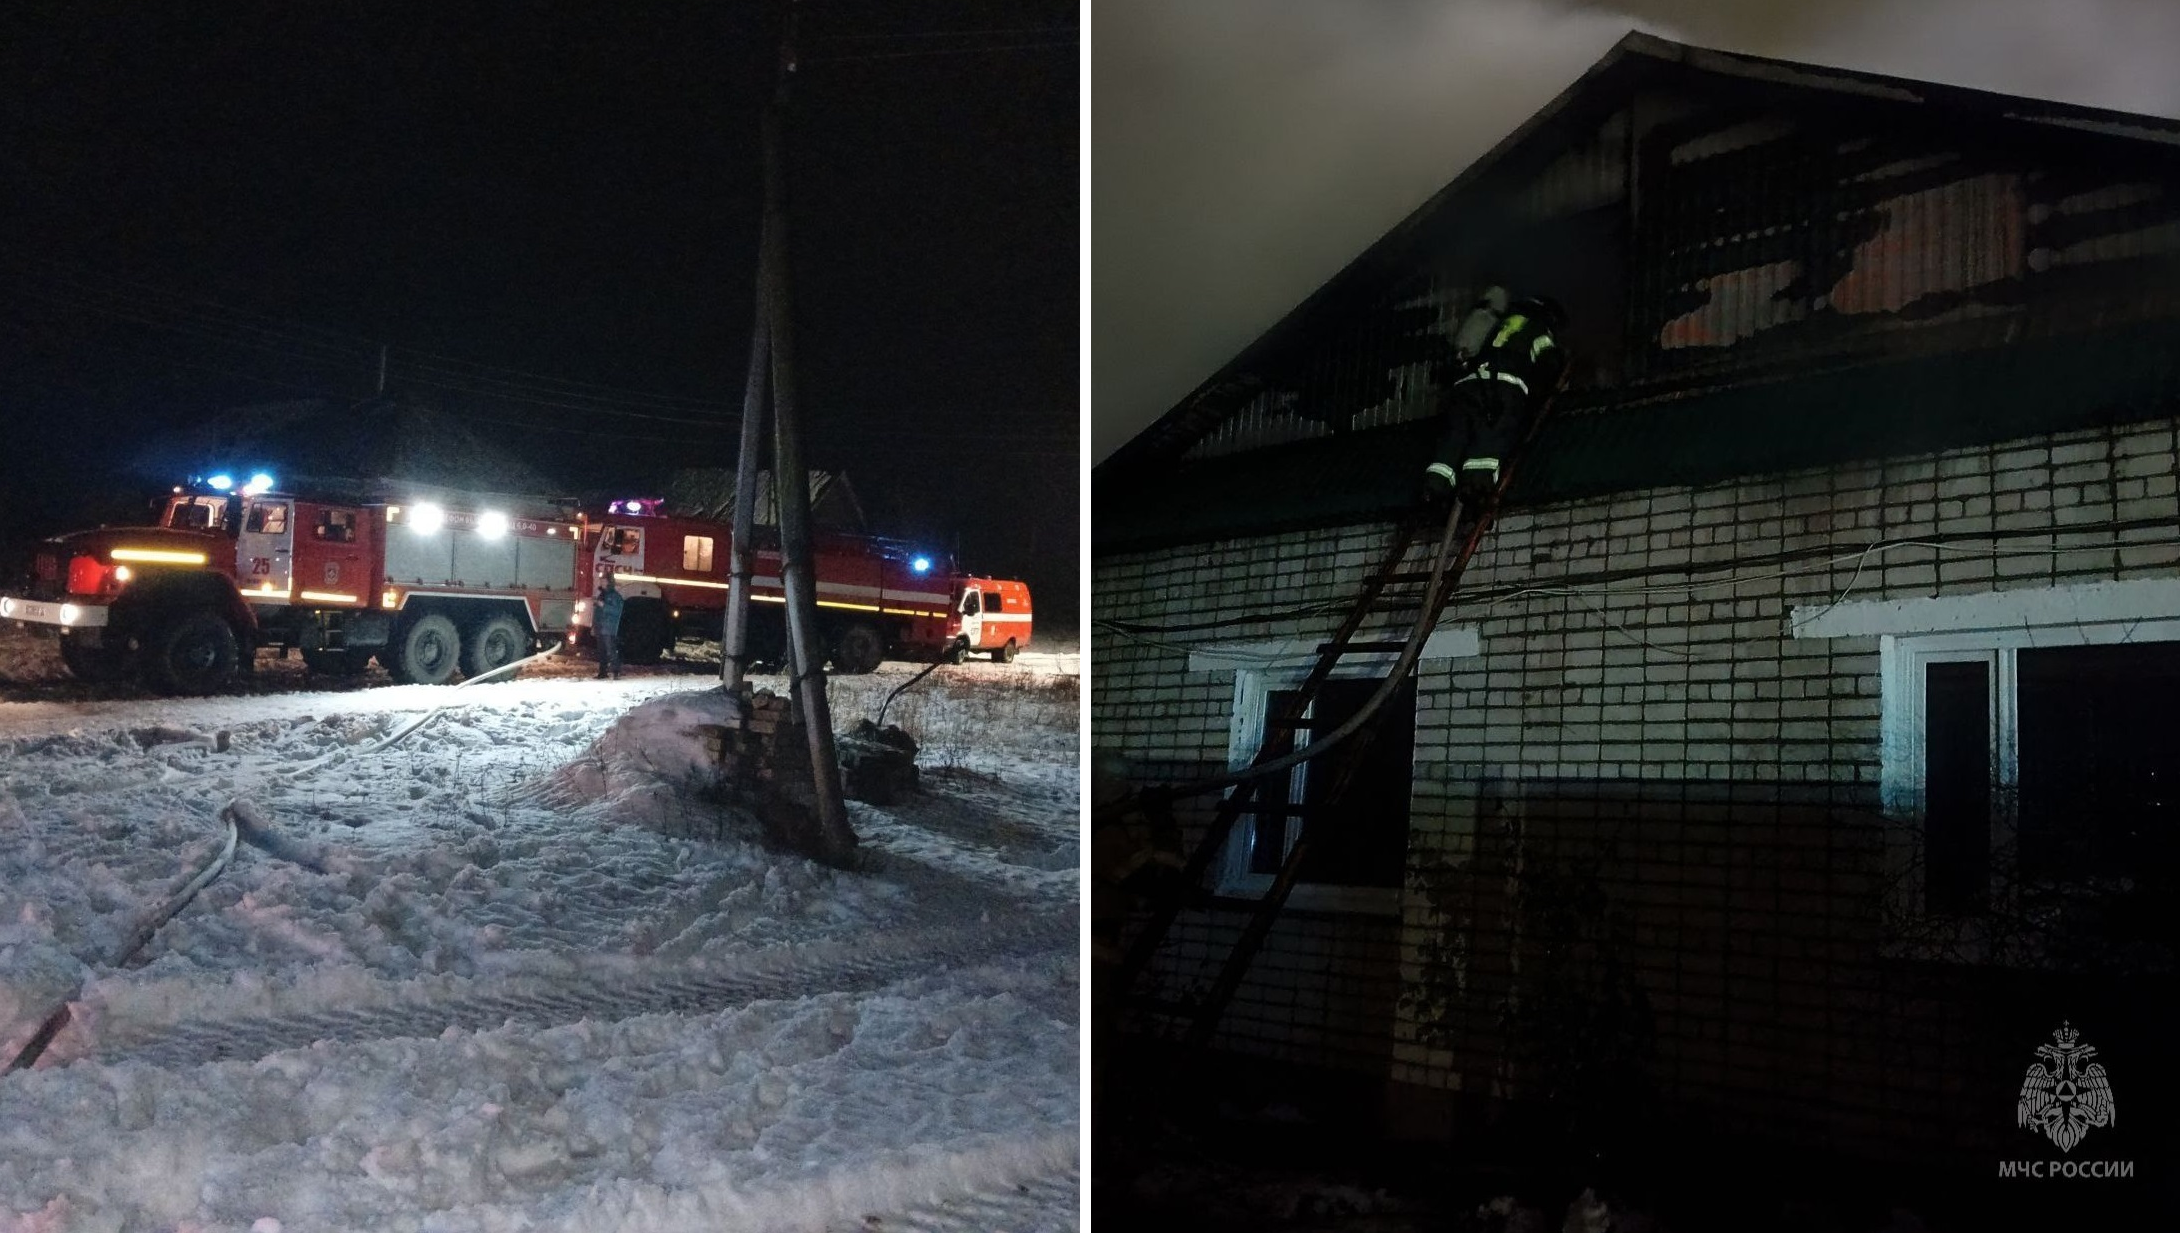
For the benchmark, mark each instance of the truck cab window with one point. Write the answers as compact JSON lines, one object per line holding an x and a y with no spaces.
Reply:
{"x":337,"y":526}
{"x":624,"y":541}
{"x":992,"y":602}
{"x":267,"y":519}
{"x":196,"y":513}
{"x":970,"y":606}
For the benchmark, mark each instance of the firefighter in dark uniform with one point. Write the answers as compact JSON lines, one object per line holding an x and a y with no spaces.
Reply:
{"x":1490,"y":403}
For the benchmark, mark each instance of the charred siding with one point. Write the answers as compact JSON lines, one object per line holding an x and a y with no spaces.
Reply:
{"x":1717,"y":237}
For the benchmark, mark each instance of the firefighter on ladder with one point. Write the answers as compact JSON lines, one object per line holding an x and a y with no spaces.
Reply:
{"x":1517,"y":367}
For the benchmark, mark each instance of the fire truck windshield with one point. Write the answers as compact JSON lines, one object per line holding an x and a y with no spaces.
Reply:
{"x":195,"y":513}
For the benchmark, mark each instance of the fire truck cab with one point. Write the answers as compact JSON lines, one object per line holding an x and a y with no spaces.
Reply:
{"x":426,"y":588}
{"x":989,"y":615}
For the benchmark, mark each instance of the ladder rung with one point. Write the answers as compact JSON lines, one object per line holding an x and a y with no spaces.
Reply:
{"x":1421,"y":575}
{"x":1283,"y":811}
{"x":1366,"y":648}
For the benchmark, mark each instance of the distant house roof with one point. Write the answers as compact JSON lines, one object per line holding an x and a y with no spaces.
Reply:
{"x":379,"y":441}
{"x":709,"y":492}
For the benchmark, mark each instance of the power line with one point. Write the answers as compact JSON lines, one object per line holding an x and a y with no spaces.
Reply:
{"x":163,"y":309}
{"x":943,"y":51}
{"x":1010,"y":31}
{"x":900,"y":440}
{"x":308,"y":351}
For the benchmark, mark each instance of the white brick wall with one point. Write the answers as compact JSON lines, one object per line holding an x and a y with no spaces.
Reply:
{"x":1635,"y":643}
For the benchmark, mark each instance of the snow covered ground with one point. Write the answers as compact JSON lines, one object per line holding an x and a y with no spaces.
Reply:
{"x":477,"y":990}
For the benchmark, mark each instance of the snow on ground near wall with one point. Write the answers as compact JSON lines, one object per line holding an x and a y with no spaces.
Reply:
{"x":474,"y":1004}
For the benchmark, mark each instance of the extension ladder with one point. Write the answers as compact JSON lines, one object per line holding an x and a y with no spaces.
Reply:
{"x":1188,"y":889}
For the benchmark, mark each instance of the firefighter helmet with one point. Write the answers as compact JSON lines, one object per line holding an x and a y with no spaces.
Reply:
{"x":1544,"y":309}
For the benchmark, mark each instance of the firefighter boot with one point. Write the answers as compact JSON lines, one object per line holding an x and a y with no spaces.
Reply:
{"x":1436,"y":488}
{"x":1479,"y":480}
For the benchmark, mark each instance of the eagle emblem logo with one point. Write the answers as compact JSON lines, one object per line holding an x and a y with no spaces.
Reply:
{"x":2068,"y":1097}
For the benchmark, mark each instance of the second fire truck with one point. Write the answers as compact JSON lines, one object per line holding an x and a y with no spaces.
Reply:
{"x":877,"y":598}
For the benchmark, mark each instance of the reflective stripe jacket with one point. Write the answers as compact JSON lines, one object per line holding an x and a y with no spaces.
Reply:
{"x":1522,"y":348}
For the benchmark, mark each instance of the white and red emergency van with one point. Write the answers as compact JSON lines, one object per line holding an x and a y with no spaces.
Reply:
{"x":990,"y":615}
{"x":428,"y":586}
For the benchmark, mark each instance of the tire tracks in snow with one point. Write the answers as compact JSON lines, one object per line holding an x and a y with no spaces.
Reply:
{"x":1045,"y":1203}
{"x":783,"y":973}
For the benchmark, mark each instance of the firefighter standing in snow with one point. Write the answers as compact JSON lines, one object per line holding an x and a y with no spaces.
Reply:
{"x":606,"y":623}
{"x":1517,"y":368}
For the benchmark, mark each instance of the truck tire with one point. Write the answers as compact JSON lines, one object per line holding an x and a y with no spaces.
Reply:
{"x":858,"y":650}
{"x":426,"y":650}
{"x":494,"y":642}
{"x":957,"y":651}
{"x":643,"y":631}
{"x":192,"y":653}
{"x":97,"y":665}
{"x":1005,"y":654}
{"x":336,"y":662}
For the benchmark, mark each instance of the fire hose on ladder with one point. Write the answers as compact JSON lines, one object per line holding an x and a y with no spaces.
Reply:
{"x":1457,"y":544}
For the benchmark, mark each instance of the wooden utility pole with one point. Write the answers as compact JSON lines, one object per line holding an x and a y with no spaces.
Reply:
{"x":734,"y":634}
{"x":834,"y":842}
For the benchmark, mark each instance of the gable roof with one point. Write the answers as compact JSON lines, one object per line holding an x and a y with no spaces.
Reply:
{"x":1637,"y":59}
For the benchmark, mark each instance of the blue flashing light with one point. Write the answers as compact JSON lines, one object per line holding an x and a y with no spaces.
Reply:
{"x":921,"y":565}
{"x":261,"y":482}
{"x":221,"y":482}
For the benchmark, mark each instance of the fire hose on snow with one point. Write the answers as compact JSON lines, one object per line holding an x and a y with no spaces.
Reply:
{"x":246,"y":823}
{"x":145,"y":928}
{"x":960,"y":644}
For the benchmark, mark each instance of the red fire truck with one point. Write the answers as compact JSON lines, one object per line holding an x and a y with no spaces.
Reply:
{"x":435,"y":582}
{"x":427,"y":586}
{"x":877,"y":598}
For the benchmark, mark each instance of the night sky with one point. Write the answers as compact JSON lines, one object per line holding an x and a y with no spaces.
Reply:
{"x":548,"y":214}
{"x":1245,"y":150}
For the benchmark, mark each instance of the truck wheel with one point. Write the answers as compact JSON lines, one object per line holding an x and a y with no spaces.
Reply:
{"x":195,"y":653}
{"x":425,"y":653}
{"x":858,"y":650}
{"x":336,"y":663}
{"x":1005,"y":654}
{"x":957,"y":651}
{"x":643,"y":632}
{"x":494,"y":642}
{"x":95,"y":664}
